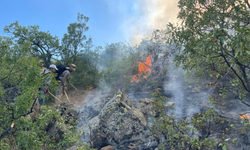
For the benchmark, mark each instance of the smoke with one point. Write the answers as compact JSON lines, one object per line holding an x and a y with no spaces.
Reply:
{"x":173,"y":86}
{"x":187,"y":99}
{"x":149,"y":15}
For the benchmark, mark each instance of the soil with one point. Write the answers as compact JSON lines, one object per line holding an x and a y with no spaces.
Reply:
{"x":76,"y":97}
{"x":81,"y":97}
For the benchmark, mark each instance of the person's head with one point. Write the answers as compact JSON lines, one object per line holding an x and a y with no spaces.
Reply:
{"x":41,"y":63}
{"x":52,"y":68}
{"x":72,"y":67}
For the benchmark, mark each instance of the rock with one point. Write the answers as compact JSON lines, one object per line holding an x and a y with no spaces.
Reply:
{"x":54,"y":132}
{"x":119,"y":124}
{"x":132,"y":146}
{"x":145,"y":106}
{"x":146,"y":101}
{"x":169,"y":104}
{"x":136,"y":112}
{"x":99,"y":141}
{"x":86,"y":114}
{"x":68,"y":112}
{"x":108,"y":148}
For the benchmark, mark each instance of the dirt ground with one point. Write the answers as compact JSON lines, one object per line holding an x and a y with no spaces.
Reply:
{"x":76,"y":97}
{"x":81,"y":97}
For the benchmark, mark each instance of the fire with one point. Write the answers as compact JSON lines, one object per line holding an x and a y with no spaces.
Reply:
{"x":244,"y":116}
{"x":175,"y":76}
{"x":89,"y":87}
{"x":143,"y":67}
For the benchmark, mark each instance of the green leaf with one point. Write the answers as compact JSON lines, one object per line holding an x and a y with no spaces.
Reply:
{"x":224,"y":147}
{"x":226,"y":140}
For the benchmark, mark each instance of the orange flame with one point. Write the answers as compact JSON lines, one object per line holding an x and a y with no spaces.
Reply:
{"x":89,"y":87}
{"x":143,"y":67}
{"x":175,"y":76}
{"x":244,"y":117}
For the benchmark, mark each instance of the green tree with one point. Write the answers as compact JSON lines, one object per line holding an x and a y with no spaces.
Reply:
{"x":173,"y":134}
{"x":117,"y":63}
{"x":73,"y":40}
{"x":87,"y":73}
{"x":214,"y":37}
{"x":20,"y":79}
{"x":43,"y":44}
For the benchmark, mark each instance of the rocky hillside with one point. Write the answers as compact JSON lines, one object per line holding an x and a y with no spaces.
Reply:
{"x":117,"y":122}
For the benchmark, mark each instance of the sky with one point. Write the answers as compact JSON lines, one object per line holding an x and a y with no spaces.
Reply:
{"x":110,"y":21}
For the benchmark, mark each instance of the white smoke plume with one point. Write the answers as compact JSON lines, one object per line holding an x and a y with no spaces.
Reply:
{"x":153,"y":14}
{"x":186,"y":102}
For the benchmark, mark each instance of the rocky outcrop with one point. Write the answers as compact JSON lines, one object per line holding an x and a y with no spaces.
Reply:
{"x":68,"y":112}
{"x":119,"y":124}
{"x":56,"y":130}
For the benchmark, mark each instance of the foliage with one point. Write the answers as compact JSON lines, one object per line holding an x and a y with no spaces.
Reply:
{"x":19,"y":83}
{"x":173,"y":134}
{"x":117,"y":63}
{"x":32,"y":135}
{"x":213,"y":37}
{"x":78,"y":49}
{"x":19,"y":77}
{"x":85,"y":147}
{"x":72,"y":41}
{"x":87,"y":73}
{"x":43,"y":44}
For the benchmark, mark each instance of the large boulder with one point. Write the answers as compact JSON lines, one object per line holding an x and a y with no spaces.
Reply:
{"x":68,"y":112}
{"x":120,"y":124}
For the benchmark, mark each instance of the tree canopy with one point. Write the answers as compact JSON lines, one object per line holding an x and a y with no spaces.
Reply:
{"x":43,"y":44}
{"x":213,"y":37}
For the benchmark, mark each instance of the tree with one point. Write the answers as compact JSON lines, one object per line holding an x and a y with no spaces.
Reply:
{"x":87,"y":73}
{"x":72,"y":41}
{"x":173,"y":134}
{"x":43,"y":44}
{"x":213,"y":37}
{"x":117,"y":63}
{"x":20,"y":79}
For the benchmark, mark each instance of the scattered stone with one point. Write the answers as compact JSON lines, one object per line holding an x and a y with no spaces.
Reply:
{"x":108,"y":148}
{"x":146,"y":101}
{"x":169,"y":104}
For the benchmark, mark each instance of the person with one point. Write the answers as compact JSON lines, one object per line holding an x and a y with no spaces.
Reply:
{"x":52,"y":69}
{"x":64,"y":78}
{"x":41,"y":65}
